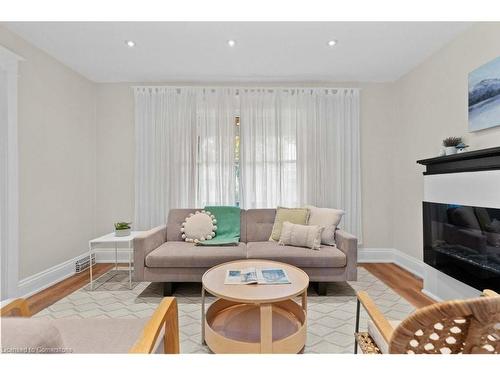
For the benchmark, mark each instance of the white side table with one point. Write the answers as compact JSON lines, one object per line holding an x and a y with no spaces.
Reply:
{"x":110,"y":241}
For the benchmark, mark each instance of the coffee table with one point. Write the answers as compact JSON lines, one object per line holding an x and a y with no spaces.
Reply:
{"x":254,"y":318}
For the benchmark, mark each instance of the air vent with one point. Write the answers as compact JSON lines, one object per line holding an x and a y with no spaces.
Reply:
{"x":83,"y":263}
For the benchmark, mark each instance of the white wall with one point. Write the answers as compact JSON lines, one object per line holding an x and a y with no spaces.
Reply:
{"x":431,"y":104}
{"x":57,"y":165}
{"x":377,"y":145}
{"x":115,"y":155}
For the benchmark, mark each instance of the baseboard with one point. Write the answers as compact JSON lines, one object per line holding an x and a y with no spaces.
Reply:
{"x":389,"y":255}
{"x":42,"y":280}
{"x":375,"y":255}
{"x":431,"y":295}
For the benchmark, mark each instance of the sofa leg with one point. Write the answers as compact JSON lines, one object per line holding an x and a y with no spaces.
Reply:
{"x":168,"y":289}
{"x":320,"y":288}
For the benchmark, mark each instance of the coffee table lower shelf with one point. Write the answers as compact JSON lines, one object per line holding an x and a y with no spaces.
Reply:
{"x":234,"y":327}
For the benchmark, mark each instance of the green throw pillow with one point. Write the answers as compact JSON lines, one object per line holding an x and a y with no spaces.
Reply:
{"x":293,"y":215}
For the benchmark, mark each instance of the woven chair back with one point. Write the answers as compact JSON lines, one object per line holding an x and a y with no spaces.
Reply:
{"x":452,"y":327}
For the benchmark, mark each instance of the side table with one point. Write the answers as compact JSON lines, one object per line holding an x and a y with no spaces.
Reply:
{"x":110,"y":241}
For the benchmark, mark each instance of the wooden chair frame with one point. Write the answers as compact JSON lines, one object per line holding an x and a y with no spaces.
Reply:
{"x":165,"y":318}
{"x":368,"y":345}
{"x":18,"y":307}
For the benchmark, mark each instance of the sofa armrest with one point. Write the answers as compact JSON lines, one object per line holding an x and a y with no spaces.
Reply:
{"x":143,"y":245}
{"x":348,"y":244}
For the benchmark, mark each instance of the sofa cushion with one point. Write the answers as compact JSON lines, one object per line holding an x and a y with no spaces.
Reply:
{"x":259,"y":224}
{"x":199,"y":227}
{"x":27,"y":335}
{"x":176,"y":217}
{"x":100,"y":335}
{"x":328,"y":218}
{"x":292,"y":215}
{"x":184,"y":254}
{"x":301,"y":235}
{"x":174,"y":222}
{"x":325,"y":257}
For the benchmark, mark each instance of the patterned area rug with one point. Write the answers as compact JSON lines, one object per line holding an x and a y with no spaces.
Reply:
{"x":330,"y":318}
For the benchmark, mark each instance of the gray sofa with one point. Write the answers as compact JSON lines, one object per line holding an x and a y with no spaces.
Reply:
{"x":160,"y":254}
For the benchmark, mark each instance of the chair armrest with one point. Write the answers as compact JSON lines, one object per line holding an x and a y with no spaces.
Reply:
{"x":18,"y":307}
{"x":165,"y":315}
{"x":376,"y":316}
{"x":348,"y":244}
{"x":490,"y":293}
{"x":143,"y":245}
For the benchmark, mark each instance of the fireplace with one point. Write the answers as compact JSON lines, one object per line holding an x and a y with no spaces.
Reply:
{"x":461,"y":224}
{"x":463,"y":242}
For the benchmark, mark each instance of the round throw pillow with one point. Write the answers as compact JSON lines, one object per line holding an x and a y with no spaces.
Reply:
{"x":199,"y":226}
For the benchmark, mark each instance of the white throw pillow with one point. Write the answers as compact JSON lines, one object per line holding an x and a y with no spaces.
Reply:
{"x":301,"y":235}
{"x":199,"y":226}
{"x":328,"y":218}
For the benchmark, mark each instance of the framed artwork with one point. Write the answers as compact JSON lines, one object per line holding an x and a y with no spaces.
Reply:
{"x":484,"y":96}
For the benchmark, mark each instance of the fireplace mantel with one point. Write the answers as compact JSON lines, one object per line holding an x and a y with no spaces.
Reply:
{"x":480,"y":160}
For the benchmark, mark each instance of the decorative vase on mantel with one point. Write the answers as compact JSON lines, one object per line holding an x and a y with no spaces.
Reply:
{"x":450,"y":150}
{"x":450,"y":145}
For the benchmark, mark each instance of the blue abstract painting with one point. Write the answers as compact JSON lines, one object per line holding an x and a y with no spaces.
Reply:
{"x":484,"y":96}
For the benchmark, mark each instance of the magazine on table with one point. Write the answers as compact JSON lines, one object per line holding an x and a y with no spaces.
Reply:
{"x":257,"y":276}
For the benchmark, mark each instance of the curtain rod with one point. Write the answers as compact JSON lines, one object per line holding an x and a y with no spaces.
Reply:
{"x":245,"y":87}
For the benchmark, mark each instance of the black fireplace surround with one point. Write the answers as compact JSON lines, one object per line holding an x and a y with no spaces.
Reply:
{"x":463,"y":241}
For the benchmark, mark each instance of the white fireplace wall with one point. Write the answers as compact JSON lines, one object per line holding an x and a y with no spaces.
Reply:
{"x":481,"y":189}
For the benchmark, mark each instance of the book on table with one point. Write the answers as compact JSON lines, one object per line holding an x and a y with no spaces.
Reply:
{"x":257,"y":276}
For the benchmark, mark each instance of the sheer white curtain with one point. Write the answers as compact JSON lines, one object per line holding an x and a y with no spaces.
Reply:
{"x":184,"y":150}
{"x":301,"y":146}
{"x":165,"y":121}
{"x":216,"y":116}
{"x":298,"y":146}
{"x":268,"y":150}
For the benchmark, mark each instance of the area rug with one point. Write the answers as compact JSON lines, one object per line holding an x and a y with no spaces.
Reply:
{"x":331,"y":318}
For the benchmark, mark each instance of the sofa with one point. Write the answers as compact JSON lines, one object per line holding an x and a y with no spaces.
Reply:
{"x":160,"y":254}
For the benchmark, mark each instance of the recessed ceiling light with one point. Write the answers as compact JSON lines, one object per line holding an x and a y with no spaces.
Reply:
{"x":231,"y":43}
{"x":332,"y":42}
{"x":130,"y":43}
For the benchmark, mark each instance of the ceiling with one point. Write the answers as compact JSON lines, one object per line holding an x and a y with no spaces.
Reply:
{"x":264,"y":51}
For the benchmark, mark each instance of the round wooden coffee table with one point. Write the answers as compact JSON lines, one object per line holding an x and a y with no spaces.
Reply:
{"x":254,"y":318}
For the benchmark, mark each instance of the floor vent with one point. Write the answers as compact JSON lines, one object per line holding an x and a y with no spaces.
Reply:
{"x":83,"y":263}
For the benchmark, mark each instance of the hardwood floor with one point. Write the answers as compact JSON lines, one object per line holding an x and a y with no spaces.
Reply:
{"x":41,"y":300}
{"x":401,"y":281}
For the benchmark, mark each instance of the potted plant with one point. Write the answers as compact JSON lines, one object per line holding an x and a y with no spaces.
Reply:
{"x":450,"y":145}
{"x":122,"y":229}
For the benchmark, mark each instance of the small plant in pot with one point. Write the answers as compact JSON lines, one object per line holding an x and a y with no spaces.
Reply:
{"x":450,"y":145}
{"x":122,"y":229}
